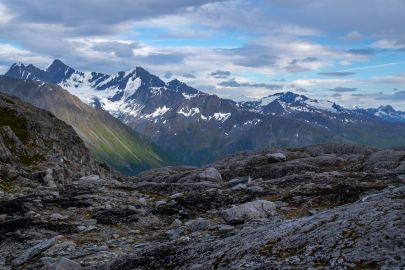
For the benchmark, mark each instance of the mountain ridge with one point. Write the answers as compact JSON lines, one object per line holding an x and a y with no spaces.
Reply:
{"x":197,"y":128}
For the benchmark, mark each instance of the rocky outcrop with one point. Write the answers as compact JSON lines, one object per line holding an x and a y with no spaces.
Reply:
{"x":322,"y":207}
{"x":249,"y":211}
{"x":39,"y":149}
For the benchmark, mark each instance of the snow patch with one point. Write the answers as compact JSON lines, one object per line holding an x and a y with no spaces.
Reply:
{"x":220,"y":116}
{"x":189,"y":111}
{"x":158,"y":112}
{"x":321,"y":105}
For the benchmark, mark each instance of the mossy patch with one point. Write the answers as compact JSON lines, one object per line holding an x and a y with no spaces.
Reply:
{"x":16,"y":123}
{"x":30,"y":160}
{"x":349,"y":234}
{"x":365,"y":265}
{"x":4,"y":185}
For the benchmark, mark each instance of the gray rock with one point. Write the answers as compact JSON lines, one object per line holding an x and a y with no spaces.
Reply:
{"x":90,"y":179}
{"x":276,"y":157}
{"x":255,"y":189}
{"x":161,"y":202}
{"x":176,"y":223}
{"x":34,"y":251}
{"x":49,"y":178}
{"x":142,"y":201}
{"x":239,"y":187}
{"x":174,"y":234}
{"x":57,"y":216}
{"x":240,"y":180}
{"x":64,"y":264}
{"x":198,"y":224}
{"x":249,"y":211}
{"x":225,"y":228}
{"x":210,"y":174}
{"x":176,"y":195}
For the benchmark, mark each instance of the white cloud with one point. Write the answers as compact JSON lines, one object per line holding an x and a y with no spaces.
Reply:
{"x":353,"y":36}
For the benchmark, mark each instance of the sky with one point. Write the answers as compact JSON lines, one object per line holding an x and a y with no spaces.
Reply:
{"x":348,"y":51}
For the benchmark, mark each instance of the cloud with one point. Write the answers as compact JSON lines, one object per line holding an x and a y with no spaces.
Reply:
{"x":343,"y":89}
{"x":353,"y":36}
{"x":395,"y":97}
{"x":399,"y":95}
{"x":366,"y":52}
{"x":299,"y":65}
{"x":337,"y":74}
{"x":220,"y":74}
{"x":120,"y":49}
{"x":251,"y":56}
{"x":77,"y":13}
{"x":373,"y":17}
{"x":233,"y":84}
{"x":375,"y":66}
{"x":391,"y":79}
{"x":168,"y":75}
{"x":188,"y":75}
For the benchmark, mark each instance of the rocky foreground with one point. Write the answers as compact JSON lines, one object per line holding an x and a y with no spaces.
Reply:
{"x":326,"y":207}
{"x":332,"y":206}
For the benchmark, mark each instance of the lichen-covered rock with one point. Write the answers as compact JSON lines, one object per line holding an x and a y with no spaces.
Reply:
{"x":210,"y":174}
{"x":249,"y":211}
{"x":276,"y":157}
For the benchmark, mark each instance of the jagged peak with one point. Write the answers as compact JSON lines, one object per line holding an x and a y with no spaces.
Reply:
{"x":175,"y":82}
{"x":288,"y":97}
{"x":57,"y":65}
{"x":386,"y":108}
{"x":17,"y":64}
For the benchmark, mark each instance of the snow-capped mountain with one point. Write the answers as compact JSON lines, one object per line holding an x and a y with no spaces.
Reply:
{"x":196,"y":127}
{"x":286,"y":103}
{"x":388,"y":113}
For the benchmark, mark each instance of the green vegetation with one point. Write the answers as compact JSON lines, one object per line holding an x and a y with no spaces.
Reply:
{"x":17,"y":124}
{"x":30,"y":160}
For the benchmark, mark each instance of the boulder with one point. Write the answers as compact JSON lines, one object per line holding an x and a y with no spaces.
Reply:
{"x":239,"y":187}
{"x":198,"y":224}
{"x":57,"y":216}
{"x":249,"y":211}
{"x":90,"y":179}
{"x":240,"y":180}
{"x":276,"y":157}
{"x":26,"y":255}
{"x":210,"y":174}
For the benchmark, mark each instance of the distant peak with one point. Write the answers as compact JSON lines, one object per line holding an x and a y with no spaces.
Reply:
{"x":175,"y":82}
{"x":57,"y":65}
{"x":17,"y":64}
{"x":387,"y":108}
{"x":288,"y":97}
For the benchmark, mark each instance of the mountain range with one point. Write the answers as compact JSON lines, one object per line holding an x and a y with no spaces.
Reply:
{"x":194,"y":128}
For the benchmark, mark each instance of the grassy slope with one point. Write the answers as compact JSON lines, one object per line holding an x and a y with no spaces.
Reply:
{"x":107,"y":138}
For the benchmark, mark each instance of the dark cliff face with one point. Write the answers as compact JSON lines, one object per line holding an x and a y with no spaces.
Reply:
{"x":38,"y":147}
